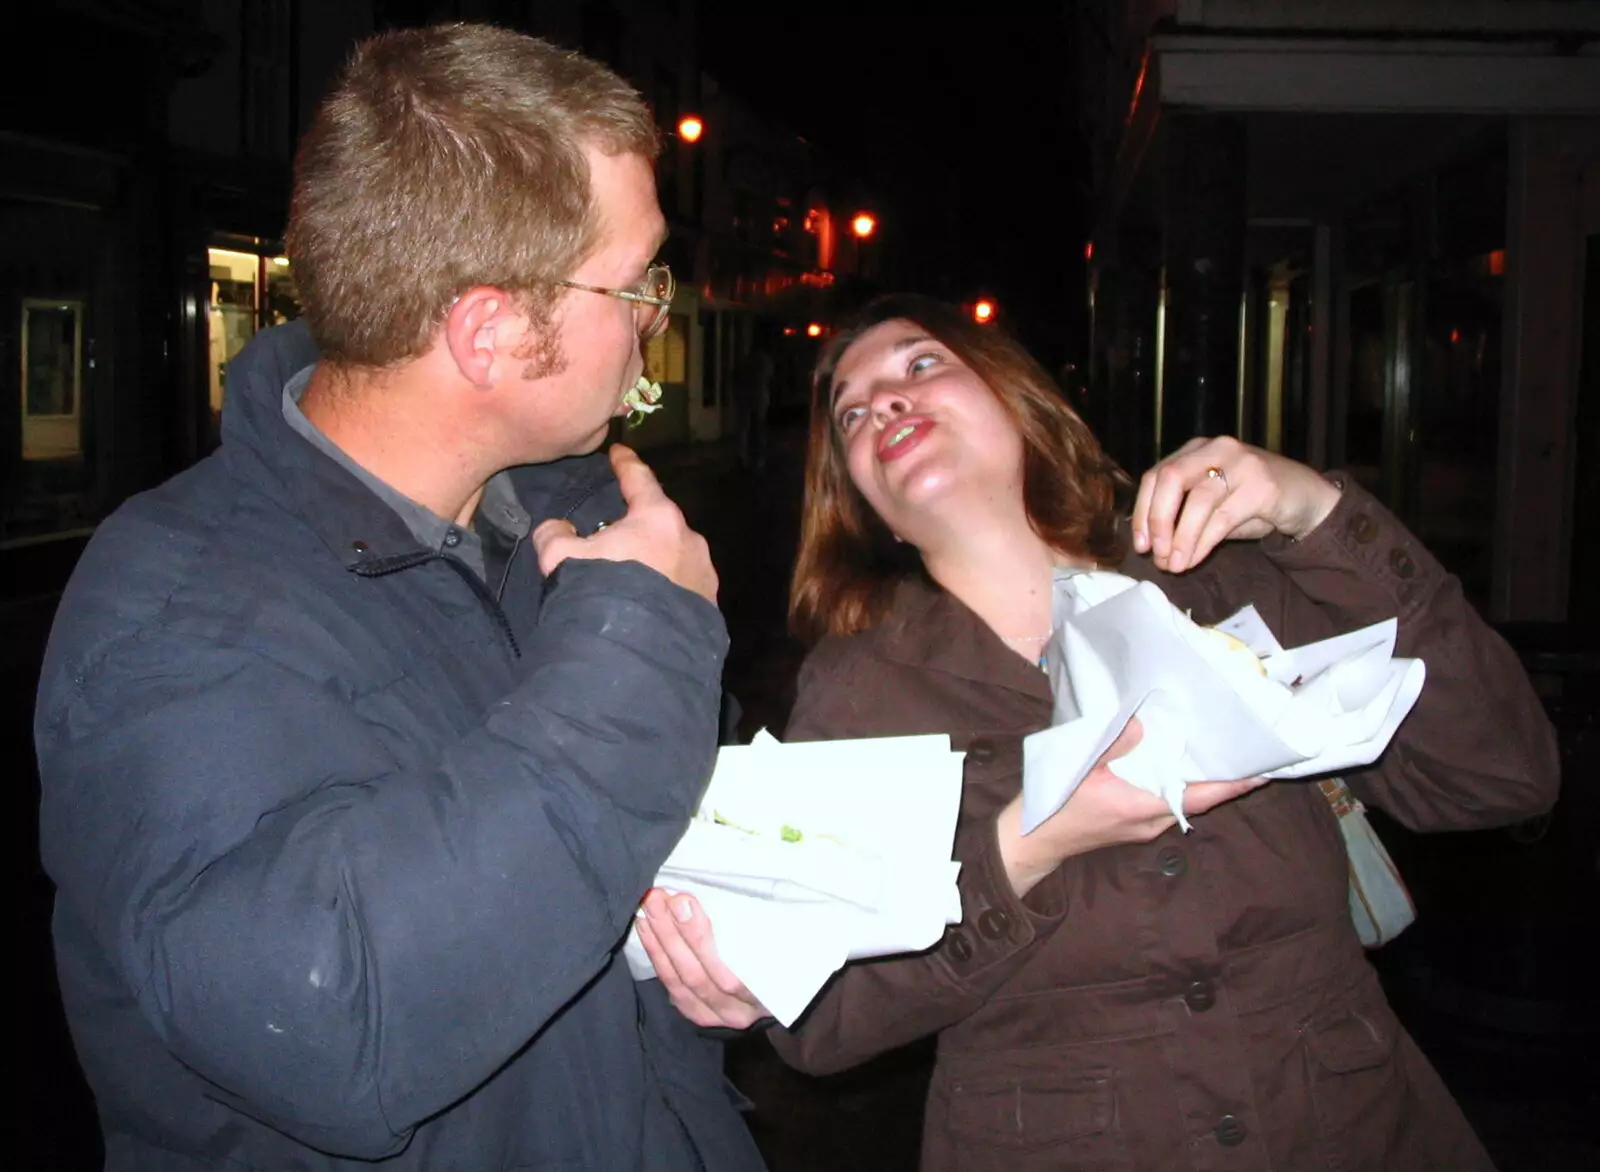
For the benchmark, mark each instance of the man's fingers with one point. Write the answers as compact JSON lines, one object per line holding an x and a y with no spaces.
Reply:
{"x":639,"y":485}
{"x":703,"y":988}
{"x":678,"y":991}
{"x":547,"y":531}
{"x":552,"y":542}
{"x":656,"y":952}
{"x":669,"y":932}
{"x":697,"y":934}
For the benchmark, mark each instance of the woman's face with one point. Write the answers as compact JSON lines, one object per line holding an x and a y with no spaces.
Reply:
{"x":925,"y":439}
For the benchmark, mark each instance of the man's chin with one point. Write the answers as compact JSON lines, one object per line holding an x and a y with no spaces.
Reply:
{"x":592,"y":443}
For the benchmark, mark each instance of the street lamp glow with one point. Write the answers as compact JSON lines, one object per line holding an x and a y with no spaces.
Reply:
{"x":864,"y":225}
{"x":813,"y":330}
{"x":983,"y":311}
{"x":690,"y":128}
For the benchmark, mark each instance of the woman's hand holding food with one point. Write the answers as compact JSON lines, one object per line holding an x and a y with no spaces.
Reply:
{"x":1214,"y":490}
{"x":677,"y":937}
{"x":1103,"y":811}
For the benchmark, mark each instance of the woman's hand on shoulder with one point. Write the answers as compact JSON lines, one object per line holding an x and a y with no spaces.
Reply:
{"x":1215,"y":490}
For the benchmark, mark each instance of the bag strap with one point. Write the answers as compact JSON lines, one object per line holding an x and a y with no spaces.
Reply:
{"x":1344,"y":802}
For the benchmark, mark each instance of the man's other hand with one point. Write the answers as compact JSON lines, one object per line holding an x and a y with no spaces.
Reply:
{"x":677,"y":936}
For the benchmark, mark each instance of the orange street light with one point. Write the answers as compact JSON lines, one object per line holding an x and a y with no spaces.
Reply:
{"x":864,"y":224}
{"x":983,"y":311}
{"x":813,"y":330}
{"x":690,"y":128}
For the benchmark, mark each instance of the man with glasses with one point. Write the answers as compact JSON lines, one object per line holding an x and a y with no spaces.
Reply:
{"x":652,"y":300}
{"x":362,"y":740}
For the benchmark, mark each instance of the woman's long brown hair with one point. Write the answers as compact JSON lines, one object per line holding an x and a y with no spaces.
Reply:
{"x":849,"y":562}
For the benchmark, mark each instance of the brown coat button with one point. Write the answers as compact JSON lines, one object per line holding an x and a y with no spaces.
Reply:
{"x":360,"y":546}
{"x":1200,"y":996}
{"x":980,"y":751}
{"x":1172,"y":862}
{"x":994,"y":923}
{"x":1363,"y":528}
{"x":960,"y":947}
{"x":1230,"y":1131}
{"x":1402,"y":563}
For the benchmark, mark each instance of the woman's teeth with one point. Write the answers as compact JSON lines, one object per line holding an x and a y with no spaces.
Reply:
{"x":901,"y":434}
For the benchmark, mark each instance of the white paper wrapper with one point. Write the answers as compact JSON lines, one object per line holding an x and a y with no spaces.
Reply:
{"x":1120,"y":649}
{"x":870,"y":875}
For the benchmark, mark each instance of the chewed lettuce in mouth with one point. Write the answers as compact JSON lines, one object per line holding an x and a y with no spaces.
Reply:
{"x":642,"y":398}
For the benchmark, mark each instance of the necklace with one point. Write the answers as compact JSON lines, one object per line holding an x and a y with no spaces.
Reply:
{"x":1014,"y":640}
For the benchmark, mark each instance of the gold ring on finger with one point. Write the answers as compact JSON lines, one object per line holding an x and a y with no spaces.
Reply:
{"x":1215,"y":473}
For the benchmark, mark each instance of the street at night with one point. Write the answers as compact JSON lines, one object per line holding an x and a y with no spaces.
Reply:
{"x":1490,"y":978}
{"x":1364,"y":238}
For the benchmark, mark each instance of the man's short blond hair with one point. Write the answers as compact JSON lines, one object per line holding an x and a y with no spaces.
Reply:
{"x":447,"y":158}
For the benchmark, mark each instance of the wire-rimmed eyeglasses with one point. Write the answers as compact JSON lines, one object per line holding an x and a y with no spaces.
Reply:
{"x":652,"y":299}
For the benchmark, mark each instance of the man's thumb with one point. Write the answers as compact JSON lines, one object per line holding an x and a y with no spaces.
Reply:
{"x":546,"y":534}
{"x":634,"y":477}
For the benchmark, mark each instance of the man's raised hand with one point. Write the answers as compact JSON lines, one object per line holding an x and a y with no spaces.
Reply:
{"x":653,"y":532}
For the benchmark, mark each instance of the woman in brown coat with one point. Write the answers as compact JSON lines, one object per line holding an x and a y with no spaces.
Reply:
{"x":1118,"y":995}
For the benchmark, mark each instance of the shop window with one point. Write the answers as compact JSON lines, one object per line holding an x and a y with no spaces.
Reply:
{"x":249,"y":292}
{"x":52,"y":379}
{"x":1277,"y":315}
{"x":58,"y":273}
{"x":666,"y":356}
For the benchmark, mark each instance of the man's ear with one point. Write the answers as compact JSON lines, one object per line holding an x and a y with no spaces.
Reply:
{"x":481,"y":328}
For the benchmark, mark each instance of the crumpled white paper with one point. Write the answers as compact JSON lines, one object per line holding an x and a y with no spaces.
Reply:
{"x":870,"y":874}
{"x":1120,"y":649}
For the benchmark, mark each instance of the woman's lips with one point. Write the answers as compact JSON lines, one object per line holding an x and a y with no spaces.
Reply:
{"x":914,"y":430}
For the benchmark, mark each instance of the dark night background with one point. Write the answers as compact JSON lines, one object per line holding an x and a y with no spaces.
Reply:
{"x":963,"y":122}
{"x":961,"y":128}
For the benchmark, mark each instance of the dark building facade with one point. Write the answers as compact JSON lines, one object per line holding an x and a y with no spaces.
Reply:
{"x":142,"y":221}
{"x":1359,"y":233}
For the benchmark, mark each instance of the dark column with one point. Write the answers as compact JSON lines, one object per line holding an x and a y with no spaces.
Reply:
{"x":1203,"y":218}
{"x":1121,"y":402}
{"x":1137,"y":336}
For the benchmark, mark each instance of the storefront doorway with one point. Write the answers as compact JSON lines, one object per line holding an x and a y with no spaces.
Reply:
{"x":251,"y":287}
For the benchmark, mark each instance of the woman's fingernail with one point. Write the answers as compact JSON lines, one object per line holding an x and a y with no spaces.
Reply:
{"x":1141,"y":540}
{"x":1178,"y":561}
{"x":683,"y":910}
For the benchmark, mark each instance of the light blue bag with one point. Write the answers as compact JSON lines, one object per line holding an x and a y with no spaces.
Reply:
{"x":1380,"y":904}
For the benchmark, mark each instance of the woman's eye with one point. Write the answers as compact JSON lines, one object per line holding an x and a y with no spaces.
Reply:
{"x":850,"y":416}
{"x":921,"y":363}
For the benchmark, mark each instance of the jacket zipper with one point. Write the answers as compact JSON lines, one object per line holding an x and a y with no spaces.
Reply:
{"x":490,"y":601}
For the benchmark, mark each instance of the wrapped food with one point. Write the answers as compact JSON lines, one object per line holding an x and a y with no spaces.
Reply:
{"x":809,"y":855}
{"x":1215,"y":704}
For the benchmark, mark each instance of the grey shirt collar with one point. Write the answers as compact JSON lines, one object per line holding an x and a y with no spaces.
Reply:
{"x":499,"y":506}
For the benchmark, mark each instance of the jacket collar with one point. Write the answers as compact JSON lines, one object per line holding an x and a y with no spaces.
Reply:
{"x":362,"y":531}
{"x":932,"y":630}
